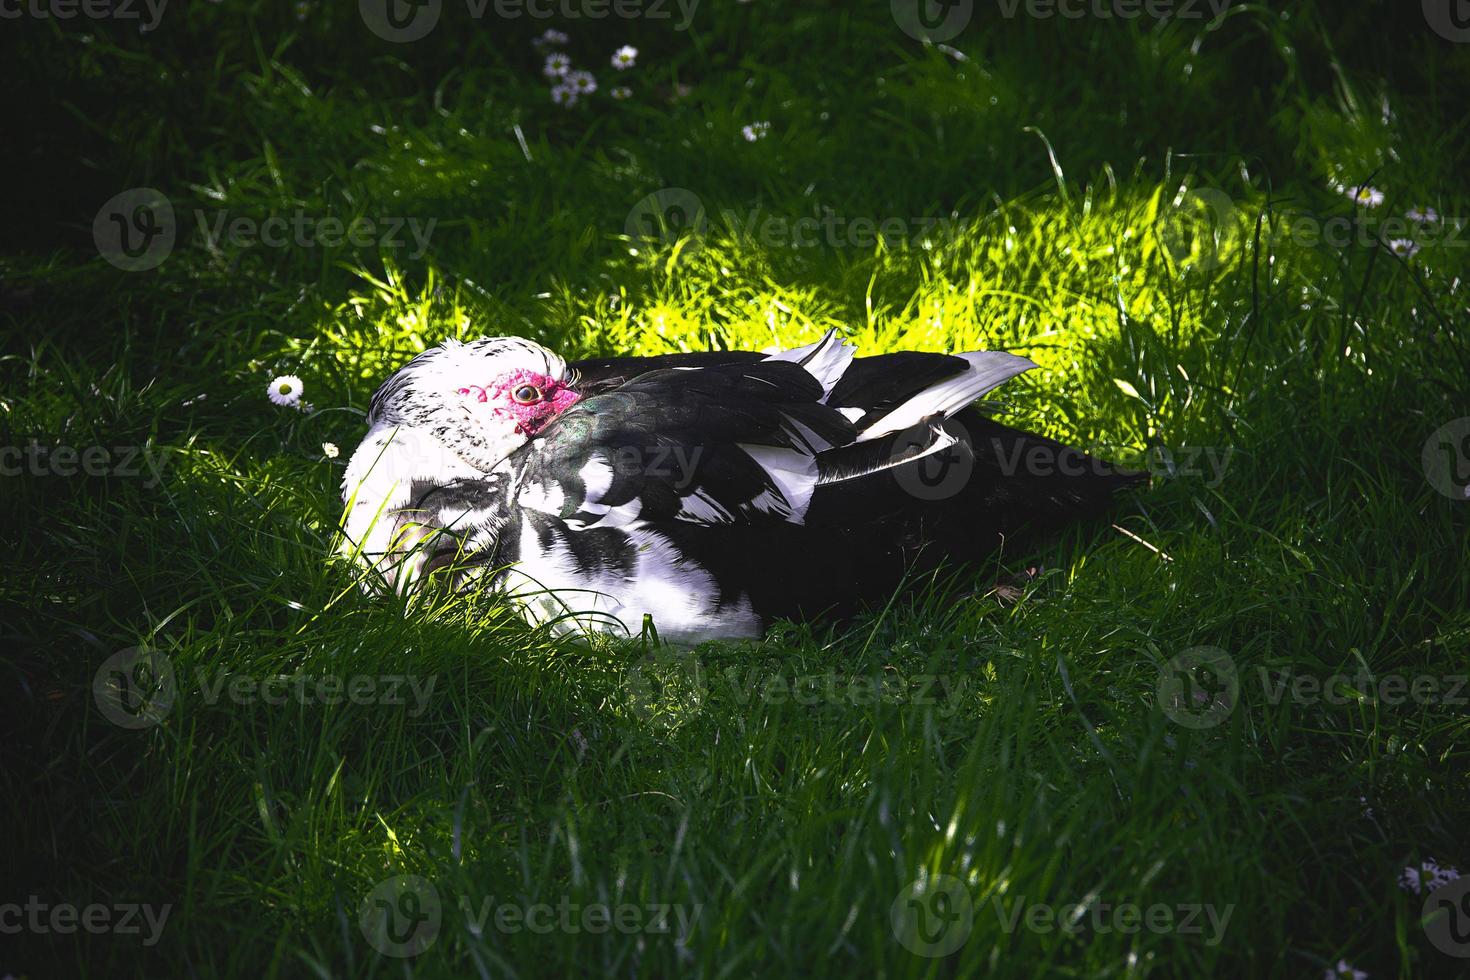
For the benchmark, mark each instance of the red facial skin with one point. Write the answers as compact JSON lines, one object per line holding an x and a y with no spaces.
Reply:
{"x":556,"y":397}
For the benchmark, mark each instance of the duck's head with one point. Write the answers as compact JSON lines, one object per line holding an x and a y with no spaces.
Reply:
{"x":452,"y":412}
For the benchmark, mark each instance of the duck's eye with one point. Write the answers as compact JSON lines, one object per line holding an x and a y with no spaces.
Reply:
{"x":526,"y":395}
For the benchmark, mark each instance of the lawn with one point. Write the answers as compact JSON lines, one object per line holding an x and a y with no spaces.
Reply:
{"x":1207,"y":738}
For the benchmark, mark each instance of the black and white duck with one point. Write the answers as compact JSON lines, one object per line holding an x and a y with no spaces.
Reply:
{"x":714,"y":492}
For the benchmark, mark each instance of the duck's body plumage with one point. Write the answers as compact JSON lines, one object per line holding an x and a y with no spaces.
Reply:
{"x":719,"y":492}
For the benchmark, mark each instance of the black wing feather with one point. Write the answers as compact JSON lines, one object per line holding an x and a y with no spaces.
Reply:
{"x":685,"y":444}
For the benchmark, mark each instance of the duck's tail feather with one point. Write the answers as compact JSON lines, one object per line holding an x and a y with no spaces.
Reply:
{"x":995,"y":486}
{"x":985,"y":370}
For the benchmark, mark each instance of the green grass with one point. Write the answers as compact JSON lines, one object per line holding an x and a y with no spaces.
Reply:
{"x":1040,"y":769}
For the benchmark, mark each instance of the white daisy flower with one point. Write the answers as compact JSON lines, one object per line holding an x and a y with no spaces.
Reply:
{"x":1427,"y":876}
{"x":582,"y":82}
{"x":755,"y":131}
{"x":1423,"y":216}
{"x":1412,"y":879}
{"x":564,"y":95}
{"x":550,"y":39}
{"x":1365,"y":197}
{"x":620,"y":92}
{"x":625,"y":57}
{"x":1404,"y":248}
{"x":285,"y":391}
{"x":330,"y":450}
{"x":557,"y":65}
{"x":1344,"y":971}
